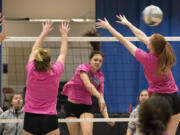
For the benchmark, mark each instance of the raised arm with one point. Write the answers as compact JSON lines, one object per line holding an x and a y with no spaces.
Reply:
{"x":90,"y":87}
{"x":47,"y":27}
{"x":3,"y":33}
{"x":64,"y":29}
{"x":137,"y":32}
{"x":105,"y":24}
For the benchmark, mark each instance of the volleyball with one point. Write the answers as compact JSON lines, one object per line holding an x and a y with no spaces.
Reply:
{"x":152,"y":15}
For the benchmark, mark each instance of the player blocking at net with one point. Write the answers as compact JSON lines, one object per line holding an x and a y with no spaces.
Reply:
{"x":42,"y":85}
{"x":161,"y":58}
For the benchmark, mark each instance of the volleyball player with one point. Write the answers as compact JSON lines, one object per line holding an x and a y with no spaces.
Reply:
{"x":88,"y":80}
{"x":42,"y":85}
{"x":157,"y":65}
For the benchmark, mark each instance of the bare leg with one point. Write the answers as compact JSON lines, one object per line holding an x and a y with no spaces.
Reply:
{"x":73,"y":127}
{"x":54,"y":132}
{"x":87,"y":127}
{"x":26,"y":133}
{"x":173,"y":124}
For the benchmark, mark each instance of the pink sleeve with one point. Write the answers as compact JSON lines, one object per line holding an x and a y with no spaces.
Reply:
{"x":101,"y":89}
{"x":58,"y":68}
{"x":29,"y":66}
{"x":83,"y":67}
{"x":141,"y":56}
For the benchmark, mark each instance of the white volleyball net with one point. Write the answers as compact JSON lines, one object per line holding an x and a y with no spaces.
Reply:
{"x":16,"y":50}
{"x":15,"y":53}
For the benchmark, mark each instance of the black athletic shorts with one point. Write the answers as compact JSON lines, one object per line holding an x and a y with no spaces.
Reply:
{"x":75,"y":110}
{"x":174,"y":100}
{"x":40,"y":124}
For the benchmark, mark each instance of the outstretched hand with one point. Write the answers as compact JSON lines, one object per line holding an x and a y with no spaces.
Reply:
{"x":122,"y":20}
{"x":3,"y":35}
{"x":64,"y":28}
{"x":1,"y":19}
{"x":102,"y":23}
{"x":47,"y":27}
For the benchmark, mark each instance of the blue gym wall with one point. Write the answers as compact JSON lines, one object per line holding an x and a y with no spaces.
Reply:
{"x":124,"y":76}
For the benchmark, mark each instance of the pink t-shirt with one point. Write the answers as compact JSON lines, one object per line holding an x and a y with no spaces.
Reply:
{"x":156,"y":83}
{"x":42,"y":89}
{"x":75,"y":88}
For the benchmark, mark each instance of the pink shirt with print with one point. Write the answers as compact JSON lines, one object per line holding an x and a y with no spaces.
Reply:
{"x":75,"y":89}
{"x":156,"y":83}
{"x":42,"y":89}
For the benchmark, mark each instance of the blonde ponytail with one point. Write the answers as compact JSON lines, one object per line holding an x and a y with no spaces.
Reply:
{"x":41,"y":53}
{"x":42,"y":59}
{"x":38,"y":57}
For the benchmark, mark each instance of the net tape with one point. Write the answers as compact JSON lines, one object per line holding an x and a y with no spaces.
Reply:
{"x":78,"y":39}
{"x":76,"y":120}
